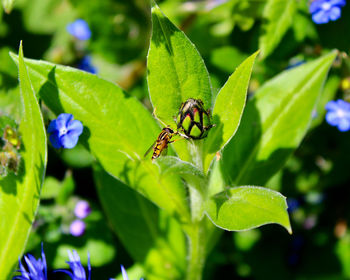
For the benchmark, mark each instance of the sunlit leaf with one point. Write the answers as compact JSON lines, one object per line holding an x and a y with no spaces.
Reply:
{"x":117,"y":129}
{"x":247,"y":207}
{"x":19,"y":195}
{"x":274,"y":123}
{"x":228,"y":109}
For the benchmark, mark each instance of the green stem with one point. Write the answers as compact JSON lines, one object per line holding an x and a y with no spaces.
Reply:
{"x":197,"y":230}
{"x":197,"y":251}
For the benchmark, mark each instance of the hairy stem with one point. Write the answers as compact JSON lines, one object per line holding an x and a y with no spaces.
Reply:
{"x":197,"y":230}
{"x":197,"y":251}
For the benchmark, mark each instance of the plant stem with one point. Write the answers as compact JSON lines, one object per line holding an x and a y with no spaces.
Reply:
{"x":197,"y":230}
{"x":197,"y":251}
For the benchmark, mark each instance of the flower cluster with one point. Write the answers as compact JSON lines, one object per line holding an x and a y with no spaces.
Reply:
{"x":338,"y":114}
{"x":37,"y":268}
{"x":325,"y":10}
{"x":81,"y":211}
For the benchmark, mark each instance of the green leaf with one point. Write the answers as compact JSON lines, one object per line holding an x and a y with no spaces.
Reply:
{"x":278,"y":16}
{"x":247,"y":207}
{"x":118,"y":129}
{"x":328,"y":93}
{"x":187,"y":170}
{"x":228,"y":109}
{"x":19,"y":195}
{"x":176,"y":70}
{"x":274,"y":123}
{"x":147,"y":233}
{"x":8,"y":5}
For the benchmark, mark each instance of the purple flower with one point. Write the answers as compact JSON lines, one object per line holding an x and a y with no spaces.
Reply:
{"x":77,"y":228}
{"x":338,"y":114}
{"x":37,"y":269}
{"x":78,"y":272}
{"x":79,"y":29}
{"x":65,"y":131}
{"x":86,"y":65}
{"x":82,"y":209}
{"x":325,"y":10}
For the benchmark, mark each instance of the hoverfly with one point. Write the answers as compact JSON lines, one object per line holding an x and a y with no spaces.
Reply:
{"x":163,"y":139}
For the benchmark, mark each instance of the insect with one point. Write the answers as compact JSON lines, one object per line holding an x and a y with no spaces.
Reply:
{"x":163,"y":139}
{"x":193,"y":119}
{"x":161,"y":144}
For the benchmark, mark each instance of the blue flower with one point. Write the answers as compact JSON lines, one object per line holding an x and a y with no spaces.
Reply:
{"x":76,"y":267}
{"x":325,"y":10}
{"x":338,"y":114}
{"x":124,"y":274}
{"x":79,"y":29}
{"x":37,"y":269}
{"x":85,"y":65}
{"x":65,"y":131}
{"x":82,"y":209}
{"x":77,"y":228}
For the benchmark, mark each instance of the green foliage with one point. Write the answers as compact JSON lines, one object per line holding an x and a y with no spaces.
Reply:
{"x":150,"y":236}
{"x":107,"y":114}
{"x":19,"y":197}
{"x":176,"y":71}
{"x":247,"y":207}
{"x":168,"y":213}
{"x":278,"y":16}
{"x":228,"y":109}
{"x":274,"y":123}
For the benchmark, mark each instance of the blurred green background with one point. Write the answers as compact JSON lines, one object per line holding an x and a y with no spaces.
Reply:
{"x":316,"y":179}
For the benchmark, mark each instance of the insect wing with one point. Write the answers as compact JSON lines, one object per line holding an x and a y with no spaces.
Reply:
{"x":149,"y":149}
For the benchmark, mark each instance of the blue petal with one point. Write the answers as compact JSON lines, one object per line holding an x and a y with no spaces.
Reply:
{"x":334,"y":13}
{"x":52,"y":126}
{"x":75,"y":128}
{"x":79,"y":29}
{"x":332,"y":106}
{"x":125,"y":275}
{"x":43,"y":259}
{"x":55,"y":140}
{"x":316,"y":5}
{"x":89,"y":267}
{"x":31,"y":263}
{"x":332,"y":118}
{"x":344,"y":124}
{"x":338,"y":3}
{"x":86,"y":65}
{"x":343,"y":105}
{"x":320,"y":17}
{"x":69,"y":141}
{"x":63,"y":119}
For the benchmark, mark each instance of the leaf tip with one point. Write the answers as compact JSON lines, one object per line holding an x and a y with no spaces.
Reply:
{"x":20,"y":51}
{"x":154,"y":5}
